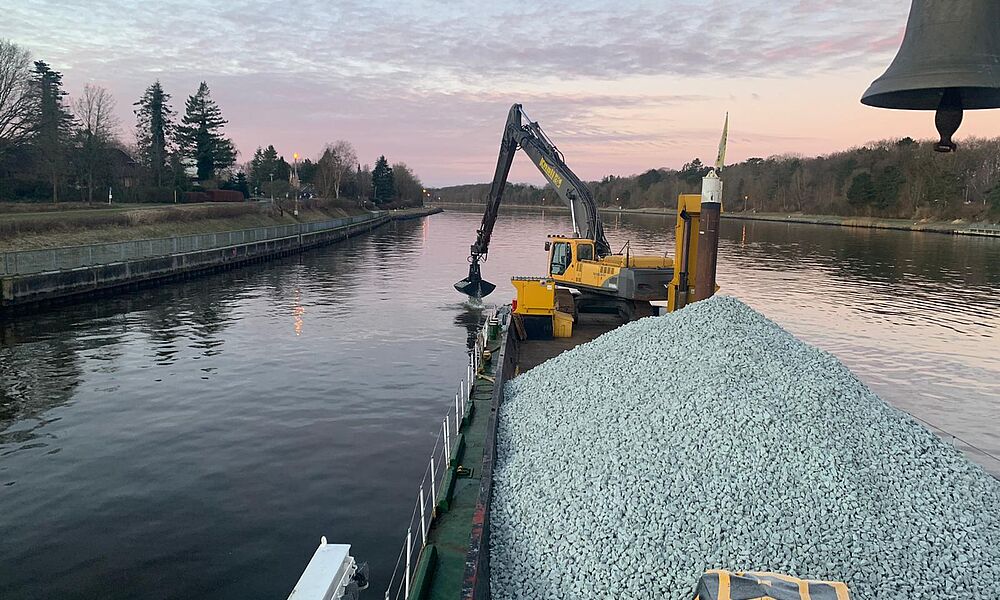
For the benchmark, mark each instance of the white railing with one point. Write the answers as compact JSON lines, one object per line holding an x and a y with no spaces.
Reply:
{"x":438,"y":466}
{"x":25,"y":262}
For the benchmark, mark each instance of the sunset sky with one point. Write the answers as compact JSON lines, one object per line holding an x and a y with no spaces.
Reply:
{"x":620,"y":86}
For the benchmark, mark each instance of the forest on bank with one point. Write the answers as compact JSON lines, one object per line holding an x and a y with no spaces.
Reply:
{"x":56,"y":148}
{"x":901,"y":178}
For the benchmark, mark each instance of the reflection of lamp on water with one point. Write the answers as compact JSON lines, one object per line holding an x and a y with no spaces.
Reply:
{"x":297,"y":311}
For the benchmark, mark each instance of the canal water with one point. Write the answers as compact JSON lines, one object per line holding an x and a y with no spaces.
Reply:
{"x":196,"y":439}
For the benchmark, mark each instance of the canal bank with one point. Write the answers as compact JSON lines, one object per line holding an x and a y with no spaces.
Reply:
{"x":32,"y":279}
{"x":957,"y":227}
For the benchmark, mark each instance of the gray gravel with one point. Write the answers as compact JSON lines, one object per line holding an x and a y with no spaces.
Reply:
{"x":712,"y":438}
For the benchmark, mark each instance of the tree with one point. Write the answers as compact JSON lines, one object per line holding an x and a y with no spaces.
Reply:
{"x":887,"y":186}
{"x":53,"y":122}
{"x":307,"y":171}
{"x":862,"y":190}
{"x":993,"y":199}
{"x":16,"y":100}
{"x":336,"y":164}
{"x":200,"y":135}
{"x":383,"y":182}
{"x":154,"y":129}
{"x":363,"y":176}
{"x":238,"y":181}
{"x":269,"y":171}
{"x":95,"y":112}
{"x":408,"y":186}
{"x":693,"y":172}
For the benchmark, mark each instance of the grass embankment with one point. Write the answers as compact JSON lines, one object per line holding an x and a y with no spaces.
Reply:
{"x":77,"y":225}
{"x":956,"y":226}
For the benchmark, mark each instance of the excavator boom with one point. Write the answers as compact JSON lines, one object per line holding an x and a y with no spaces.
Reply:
{"x":525,"y":134}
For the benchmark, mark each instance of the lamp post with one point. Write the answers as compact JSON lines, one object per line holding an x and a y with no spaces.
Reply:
{"x":295,"y":181}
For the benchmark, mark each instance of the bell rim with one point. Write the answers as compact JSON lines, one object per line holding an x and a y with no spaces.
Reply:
{"x":929,"y":98}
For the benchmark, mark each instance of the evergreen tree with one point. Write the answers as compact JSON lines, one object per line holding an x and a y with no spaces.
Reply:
{"x":307,"y":171}
{"x":53,"y":122}
{"x":266,"y":166}
{"x":200,"y":135}
{"x":154,"y":129}
{"x":862,"y":191}
{"x":383,"y":182}
{"x":239,"y":183}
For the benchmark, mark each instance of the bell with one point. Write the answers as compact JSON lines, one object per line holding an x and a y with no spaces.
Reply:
{"x":949,"y":62}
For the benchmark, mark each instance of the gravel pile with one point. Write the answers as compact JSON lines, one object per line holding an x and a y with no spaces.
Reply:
{"x":712,"y":438}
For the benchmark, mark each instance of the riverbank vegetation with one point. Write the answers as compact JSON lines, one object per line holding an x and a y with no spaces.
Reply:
{"x":80,"y":224}
{"x":891,"y":178}
{"x":57,"y":149}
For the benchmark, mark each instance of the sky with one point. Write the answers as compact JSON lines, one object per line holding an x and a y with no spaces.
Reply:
{"x":621,"y":86}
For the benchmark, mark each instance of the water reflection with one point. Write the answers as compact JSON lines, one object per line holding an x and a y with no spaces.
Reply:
{"x":470,"y":319}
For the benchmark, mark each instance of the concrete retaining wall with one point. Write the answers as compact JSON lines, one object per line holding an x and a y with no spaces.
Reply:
{"x":32,"y":289}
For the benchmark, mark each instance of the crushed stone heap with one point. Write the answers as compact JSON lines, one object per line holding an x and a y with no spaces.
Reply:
{"x":712,"y":438}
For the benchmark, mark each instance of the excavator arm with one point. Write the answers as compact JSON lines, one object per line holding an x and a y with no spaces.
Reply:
{"x":529,"y":137}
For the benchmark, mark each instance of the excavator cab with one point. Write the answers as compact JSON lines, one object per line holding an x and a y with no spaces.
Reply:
{"x":560,"y":257}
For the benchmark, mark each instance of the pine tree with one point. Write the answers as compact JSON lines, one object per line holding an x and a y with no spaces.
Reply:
{"x":267,"y":167}
{"x":383,"y":182}
{"x":53,"y":122}
{"x":154,"y":130}
{"x":200,"y":137}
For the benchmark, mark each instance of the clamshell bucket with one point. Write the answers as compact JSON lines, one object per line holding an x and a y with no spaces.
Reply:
{"x":474,"y":286}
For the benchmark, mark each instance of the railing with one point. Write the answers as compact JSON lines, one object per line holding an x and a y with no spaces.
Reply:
{"x":431,"y":486}
{"x":476,"y":579}
{"x":71,"y":257}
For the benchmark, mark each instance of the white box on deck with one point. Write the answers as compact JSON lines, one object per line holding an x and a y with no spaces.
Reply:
{"x":327,"y":573}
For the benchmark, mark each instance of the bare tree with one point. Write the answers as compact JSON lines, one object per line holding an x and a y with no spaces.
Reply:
{"x":337,"y":163}
{"x":16,"y":101}
{"x":95,"y":111}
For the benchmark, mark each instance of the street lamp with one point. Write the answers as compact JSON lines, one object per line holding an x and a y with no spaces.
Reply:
{"x":295,"y":181}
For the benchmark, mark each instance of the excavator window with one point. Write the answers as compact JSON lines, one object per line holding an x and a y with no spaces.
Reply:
{"x":585,"y":252}
{"x":561,"y":257}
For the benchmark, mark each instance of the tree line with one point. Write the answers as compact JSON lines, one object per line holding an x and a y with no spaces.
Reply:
{"x":336,"y":174}
{"x":900,"y":178}
{"x":54,"y":149}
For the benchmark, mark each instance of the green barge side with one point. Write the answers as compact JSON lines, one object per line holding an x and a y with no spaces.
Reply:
{"x":455,"y":560}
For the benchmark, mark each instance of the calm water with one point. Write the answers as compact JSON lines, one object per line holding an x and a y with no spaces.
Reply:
{"x":195,"y":440}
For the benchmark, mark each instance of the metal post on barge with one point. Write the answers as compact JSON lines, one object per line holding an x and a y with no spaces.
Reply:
{"x":708,"y":230}
{"x":708,"y":236}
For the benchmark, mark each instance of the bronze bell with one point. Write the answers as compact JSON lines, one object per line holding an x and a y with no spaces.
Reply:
{"x":949,"y":62}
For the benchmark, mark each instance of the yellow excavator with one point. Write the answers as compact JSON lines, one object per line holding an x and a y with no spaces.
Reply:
{"x":602,"y":281}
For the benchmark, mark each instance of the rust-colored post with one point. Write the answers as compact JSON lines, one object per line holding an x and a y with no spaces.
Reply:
{"x":708,"y":236}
